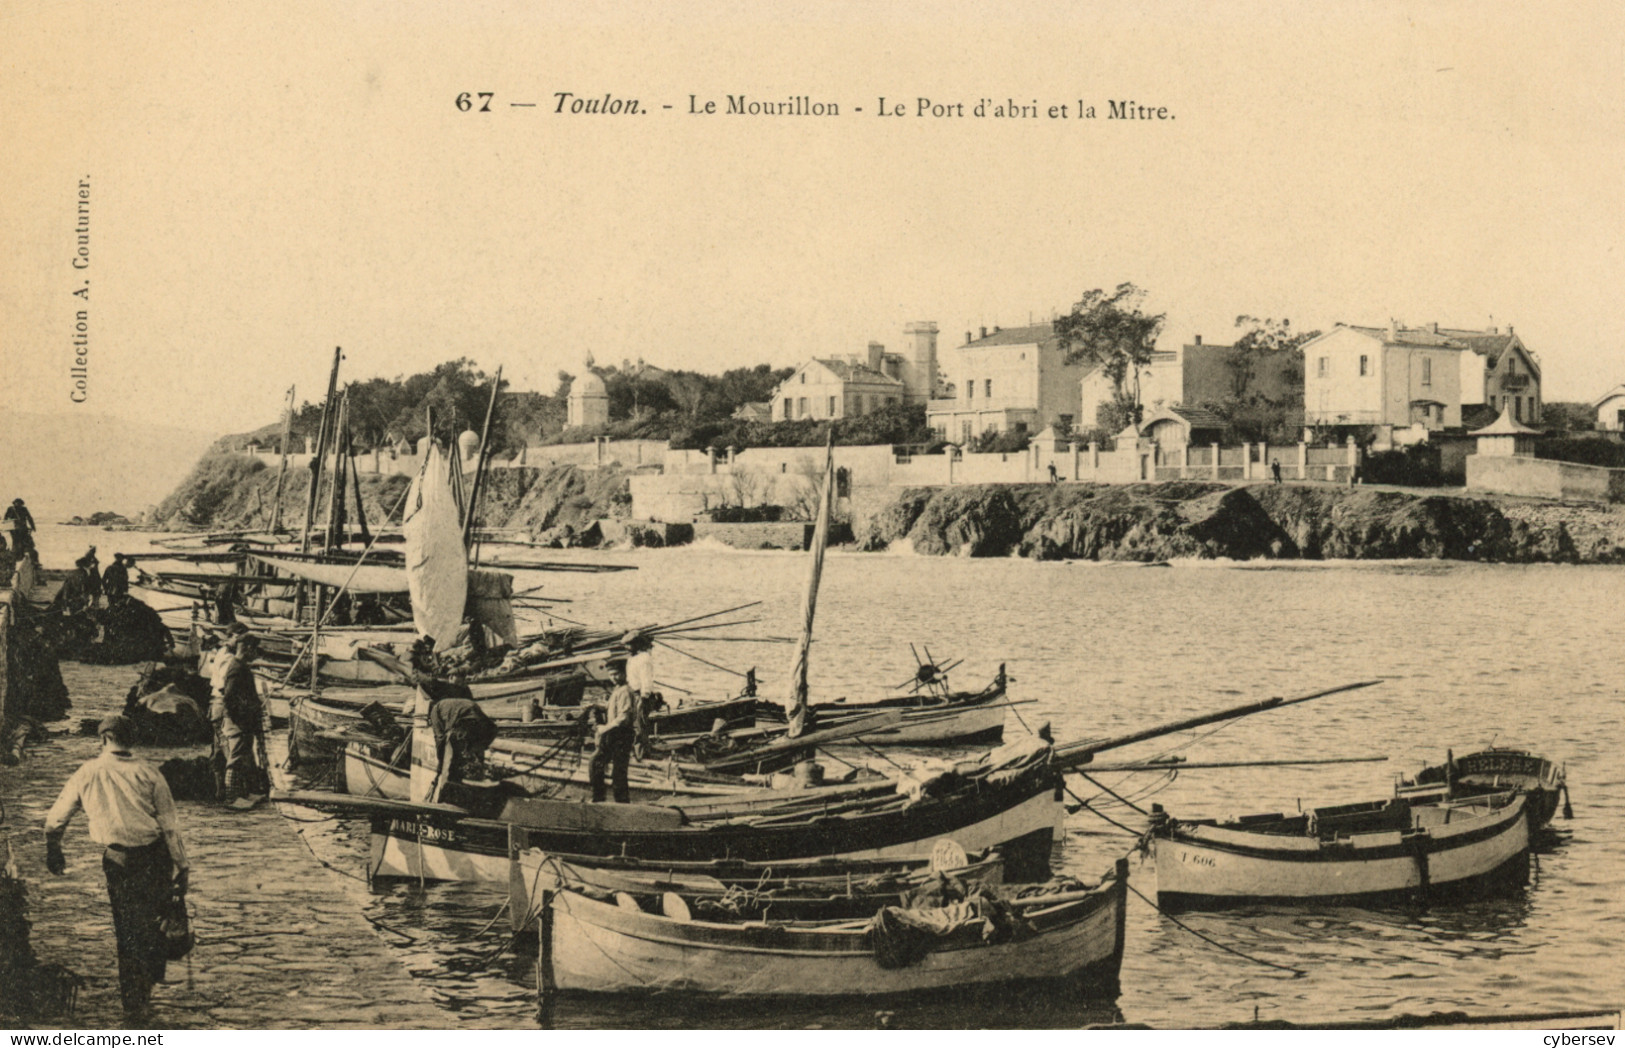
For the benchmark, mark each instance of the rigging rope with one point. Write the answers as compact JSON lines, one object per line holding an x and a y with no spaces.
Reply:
{"x":1212,"y":941}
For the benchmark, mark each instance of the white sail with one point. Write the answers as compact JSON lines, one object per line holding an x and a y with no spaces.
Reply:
{"x":436,"y":563}
{"x":795,"y":700}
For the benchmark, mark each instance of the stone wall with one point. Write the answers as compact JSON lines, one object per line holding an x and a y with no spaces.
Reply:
{"x":1544,"y":478}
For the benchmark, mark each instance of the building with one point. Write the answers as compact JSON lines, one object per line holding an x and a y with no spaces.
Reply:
{"x":833,"y":387}
{"x":1610,"y":409}
{"x":587,"y":405}
{"x":1499,"y":372}
{"x":1016,"y":379}
{"x":1382,"y":379}
{"x":1179,"y":427}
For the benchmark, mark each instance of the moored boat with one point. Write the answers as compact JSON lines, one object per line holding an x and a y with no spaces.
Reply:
{"x":623,"y":945}
{"x":1353,"y":853}
{"x":1493,"y":771}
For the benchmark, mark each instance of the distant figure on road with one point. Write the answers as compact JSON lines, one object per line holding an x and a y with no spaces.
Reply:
{"x":1275,"y":470}
{"x":22,"y":526}
{"x":1053,"y":476}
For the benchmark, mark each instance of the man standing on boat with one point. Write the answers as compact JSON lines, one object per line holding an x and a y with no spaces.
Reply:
{"x":615,"y":738}
{"x":640,"y":677}
{"x":132,"y":815}
{"x":242,"y":722}
{"x":462,"y":731}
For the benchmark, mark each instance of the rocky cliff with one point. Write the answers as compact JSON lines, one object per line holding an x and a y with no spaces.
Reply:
{"x":228,"y":491}
{"x":1150,"y":522}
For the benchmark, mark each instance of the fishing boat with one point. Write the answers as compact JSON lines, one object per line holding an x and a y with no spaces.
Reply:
{"x":823,"y":890}
{"x":1494,"y":771}
{"x":629,"y":944}
{"x":934,"y":717}
{"x":1354,"y":853}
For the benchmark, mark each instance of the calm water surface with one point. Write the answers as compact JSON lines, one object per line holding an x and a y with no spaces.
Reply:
{"x":1469,"y":655}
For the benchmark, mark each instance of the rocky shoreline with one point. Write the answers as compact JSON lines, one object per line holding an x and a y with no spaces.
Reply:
{"x":1153,"y":522}
{"x":564,"y":505}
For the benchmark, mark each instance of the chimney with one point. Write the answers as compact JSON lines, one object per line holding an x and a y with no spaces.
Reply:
{"x":1198,"y":340}
{"x":876,"y":353}
{"x":1435,"y":327}
{"x":1509,"y":329}
{"x":1393,"y":330}
{"x":967,"y":338}
{"x":984,"y":332}
{"x":997,"y":329}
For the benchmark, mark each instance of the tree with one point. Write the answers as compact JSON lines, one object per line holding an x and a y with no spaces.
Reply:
{"x":1266,"y":381}
{"x":1109,"y":330}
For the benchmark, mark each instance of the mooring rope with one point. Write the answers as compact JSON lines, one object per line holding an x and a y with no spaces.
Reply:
{"x":1212,"y":941}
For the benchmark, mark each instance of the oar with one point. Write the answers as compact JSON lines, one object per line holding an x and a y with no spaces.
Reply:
{"x":1182,"y":765}
{"x":1075,"y":753}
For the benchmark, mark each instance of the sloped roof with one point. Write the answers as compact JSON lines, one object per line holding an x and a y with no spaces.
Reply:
{"x":1617,"y":391}
{"x":1491,"y":345}
{"x":1408,"y":337}
{"x":1018,"y":336}
{"x":847,"y":371}
{"x":1195,"y":418}
{"x":1505,"y":426}
{"x":1476,"y":416}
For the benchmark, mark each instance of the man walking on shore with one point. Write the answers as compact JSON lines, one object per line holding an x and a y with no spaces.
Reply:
{"x":132,"y":815}
{"x":241,"y":724}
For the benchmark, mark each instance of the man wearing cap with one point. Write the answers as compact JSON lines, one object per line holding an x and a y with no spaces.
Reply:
{"x":116,"y":579}
{"x":614,"y":750}
{"x":242,"y":718}
{"x":22,"y":526}
{"x":132,"y":816}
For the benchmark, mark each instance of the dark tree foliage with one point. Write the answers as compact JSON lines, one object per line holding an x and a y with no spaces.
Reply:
{"x":893,"y":425}
{"x":1587,"y":451}
{"x":1109,"y":330}
{"x":1257,"y":410}
{"x":994,"y":442}
{"x":1568,"y":417}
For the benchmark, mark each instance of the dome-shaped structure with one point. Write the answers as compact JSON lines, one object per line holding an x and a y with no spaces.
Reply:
{"x":468,"y":442}
{"x":588,"y":404}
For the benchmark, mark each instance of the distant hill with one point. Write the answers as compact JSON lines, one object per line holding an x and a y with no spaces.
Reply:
{"x":71,"y":464}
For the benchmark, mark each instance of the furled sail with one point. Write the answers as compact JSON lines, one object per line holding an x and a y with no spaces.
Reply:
{"x":796,"y":698}
{"x":436,"y":563}
{"x":365,"y":578}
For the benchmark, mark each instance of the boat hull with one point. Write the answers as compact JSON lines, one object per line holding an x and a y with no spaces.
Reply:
{"x":961,"y":719}
{"x":1207,"y":866}
{"x":588,"y":946}
{"x":1023,"y":819}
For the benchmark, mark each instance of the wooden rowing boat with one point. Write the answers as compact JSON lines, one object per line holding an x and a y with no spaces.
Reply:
{"x":961,"y":718}
{"x":1488,"y":772}
{"x":823,"y":890}
{"x":1353,"y":853}
{"x":626,"y":945}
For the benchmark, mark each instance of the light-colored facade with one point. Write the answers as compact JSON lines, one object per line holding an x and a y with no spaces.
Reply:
{"x":1610,"y":408}
{"x":1016,"y":379}
{"x":1384,"y":378}
{"x":831,"y":387}
{"x":1498,"y":372}
{"x":587,"y":404}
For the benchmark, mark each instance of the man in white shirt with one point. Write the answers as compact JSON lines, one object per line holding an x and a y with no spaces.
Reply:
{"x":613,"y":753}
{"x":132,"y":816}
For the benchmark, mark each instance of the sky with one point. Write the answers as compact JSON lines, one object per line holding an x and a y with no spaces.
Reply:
{"x":267,"y":182}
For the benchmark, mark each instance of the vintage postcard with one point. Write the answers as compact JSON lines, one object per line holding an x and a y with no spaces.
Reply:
{"x":1032,"y":515}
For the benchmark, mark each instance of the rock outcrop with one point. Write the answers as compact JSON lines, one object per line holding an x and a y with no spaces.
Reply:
{"x":1152,"y":522}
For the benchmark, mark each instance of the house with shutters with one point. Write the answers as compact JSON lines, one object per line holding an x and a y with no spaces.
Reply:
{"x":1007,"y":379}
{"x":1417,"y":379}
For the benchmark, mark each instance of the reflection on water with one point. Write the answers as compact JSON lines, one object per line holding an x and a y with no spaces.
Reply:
{"x":1524,"y":655}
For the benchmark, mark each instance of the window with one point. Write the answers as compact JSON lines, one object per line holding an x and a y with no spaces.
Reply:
{"x":1321,"y":366}
{"x":964,"y":431}
{"x":801,"y":407}
{"x":987,"y":390}
{"x":788,"y":413}
{"x":1427,"y":371}
{"x":1517,"y":408}
{"x":1365,"y":365}
{"x":970,"y":389}
{"x":803,"y":378}
{"x":831,"y":407}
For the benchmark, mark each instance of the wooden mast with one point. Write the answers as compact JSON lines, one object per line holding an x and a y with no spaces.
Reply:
{"x":321,"y":450}
{"x":796,"y":700}
{"x":479,"y":468}
{"x":282,"y":471}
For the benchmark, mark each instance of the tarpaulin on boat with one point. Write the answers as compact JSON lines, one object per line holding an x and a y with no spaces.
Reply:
{"x":367,"y":578}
